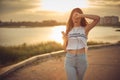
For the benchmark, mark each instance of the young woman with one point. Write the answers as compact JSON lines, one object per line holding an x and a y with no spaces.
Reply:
{"x":75,"y":43}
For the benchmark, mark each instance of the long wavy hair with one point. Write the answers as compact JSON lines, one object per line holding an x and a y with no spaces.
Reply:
{"x":70,"y":23}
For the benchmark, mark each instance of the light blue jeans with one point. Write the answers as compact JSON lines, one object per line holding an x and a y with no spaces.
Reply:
{"x":75,"y":66}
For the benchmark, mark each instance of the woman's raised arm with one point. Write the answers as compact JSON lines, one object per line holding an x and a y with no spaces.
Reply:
{"x":89,"y":26}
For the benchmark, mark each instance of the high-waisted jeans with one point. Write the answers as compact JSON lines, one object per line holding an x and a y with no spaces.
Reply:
{"x":75,"y":66}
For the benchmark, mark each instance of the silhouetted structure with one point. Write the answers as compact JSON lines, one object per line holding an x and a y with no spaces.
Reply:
{"x":104,"y":21}
{"x":31,"y":24}
{"x":109,"y":21}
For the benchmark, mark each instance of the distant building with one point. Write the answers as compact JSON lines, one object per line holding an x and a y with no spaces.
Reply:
{"x":101,"y":20}
{"x":109,"y":20}
{"x":115,"y":19}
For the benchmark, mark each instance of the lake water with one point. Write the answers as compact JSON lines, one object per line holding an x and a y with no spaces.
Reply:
{"x":17,"y":36}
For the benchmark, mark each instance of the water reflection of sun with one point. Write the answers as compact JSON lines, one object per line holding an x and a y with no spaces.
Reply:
{"x":56,"y":33}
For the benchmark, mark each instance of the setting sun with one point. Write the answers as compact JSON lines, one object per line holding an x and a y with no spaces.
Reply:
{"x":63,"y":5}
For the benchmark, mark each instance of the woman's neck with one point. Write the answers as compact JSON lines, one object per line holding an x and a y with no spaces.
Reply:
{"x":76,"y":25}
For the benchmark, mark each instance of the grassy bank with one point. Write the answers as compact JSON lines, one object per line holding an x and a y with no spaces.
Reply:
{"x":96,"y":43}
{"x":13,"y":54}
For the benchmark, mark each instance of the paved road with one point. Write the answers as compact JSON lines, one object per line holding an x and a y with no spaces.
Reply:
{"x":104,"y":64}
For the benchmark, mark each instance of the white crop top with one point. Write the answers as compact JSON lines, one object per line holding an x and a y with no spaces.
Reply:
{"x":77,"y":39}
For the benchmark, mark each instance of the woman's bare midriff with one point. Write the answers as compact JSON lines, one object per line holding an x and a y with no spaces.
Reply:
{"x":77,"y":51}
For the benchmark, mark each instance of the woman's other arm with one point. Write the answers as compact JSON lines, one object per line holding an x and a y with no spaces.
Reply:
{"x":65,"y":40}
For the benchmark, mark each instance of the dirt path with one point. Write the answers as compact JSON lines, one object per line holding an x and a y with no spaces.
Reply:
{"x":104,"y":64}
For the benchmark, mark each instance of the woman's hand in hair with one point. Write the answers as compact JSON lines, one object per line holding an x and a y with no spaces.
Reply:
{"x":78,"y":15}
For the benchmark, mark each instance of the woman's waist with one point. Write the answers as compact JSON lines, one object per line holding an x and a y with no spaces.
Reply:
{"x":77,"y":51}
{"x":76,"y":46}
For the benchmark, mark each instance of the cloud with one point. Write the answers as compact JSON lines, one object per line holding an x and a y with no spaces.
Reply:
{"x":31,"y":10}
{"x":105,"y":3}
{"x":28,"y":10}
{"x":35,"y":16}
{"x":12,"y":6}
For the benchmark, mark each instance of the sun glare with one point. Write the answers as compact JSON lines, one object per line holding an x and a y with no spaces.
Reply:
{"x":63,"y":5}
{"x":56,"y":34}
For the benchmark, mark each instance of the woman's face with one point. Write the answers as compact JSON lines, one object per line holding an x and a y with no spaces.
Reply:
{"x":76,"y":18}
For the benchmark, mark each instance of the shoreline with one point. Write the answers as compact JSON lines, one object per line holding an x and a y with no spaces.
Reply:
{"x":88,"y":42}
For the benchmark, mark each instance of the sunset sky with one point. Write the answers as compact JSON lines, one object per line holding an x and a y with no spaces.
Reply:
{"x":38,"y":10}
